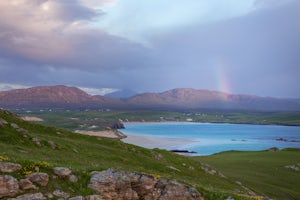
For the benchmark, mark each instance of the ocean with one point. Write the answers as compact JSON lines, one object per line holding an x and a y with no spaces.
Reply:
{"x":210,"y":138}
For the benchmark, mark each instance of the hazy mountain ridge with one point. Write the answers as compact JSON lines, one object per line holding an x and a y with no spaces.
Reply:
{"x":197,"y":99}
{"x":180,"y":98}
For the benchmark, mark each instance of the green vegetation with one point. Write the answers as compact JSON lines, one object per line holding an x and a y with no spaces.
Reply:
{"x":84,"y":154}
{"x":98,"y":119}
{"x":274,"y":174}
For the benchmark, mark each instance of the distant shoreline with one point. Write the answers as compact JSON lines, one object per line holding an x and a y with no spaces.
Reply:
{"x":185,"y":122}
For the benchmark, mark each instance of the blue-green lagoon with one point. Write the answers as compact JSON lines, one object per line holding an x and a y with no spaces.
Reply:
{"x":210,"y":138}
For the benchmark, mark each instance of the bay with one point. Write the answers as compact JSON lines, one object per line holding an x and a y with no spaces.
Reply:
{"x":210,"y":138}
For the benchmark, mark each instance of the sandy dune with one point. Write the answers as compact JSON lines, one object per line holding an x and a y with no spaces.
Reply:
{"x":32,"y":119}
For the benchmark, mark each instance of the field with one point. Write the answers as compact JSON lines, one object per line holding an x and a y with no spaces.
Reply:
{"x":100,"y":119}
{"x":273,"y":174}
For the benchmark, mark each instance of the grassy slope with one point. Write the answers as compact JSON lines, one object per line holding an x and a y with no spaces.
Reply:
{"x":264,"y":172}
{"x":84,"y":154}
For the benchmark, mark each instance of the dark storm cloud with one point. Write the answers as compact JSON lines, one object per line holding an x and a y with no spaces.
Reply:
{"x":258,"y":52}
{"x":57,"y":36}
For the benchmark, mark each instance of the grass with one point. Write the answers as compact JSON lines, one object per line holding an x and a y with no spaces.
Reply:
{"x":84,"y":154}
{"x":262,"y":172}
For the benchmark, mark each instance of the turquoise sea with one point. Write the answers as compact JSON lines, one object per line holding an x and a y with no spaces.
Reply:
{"x":210,"y":138}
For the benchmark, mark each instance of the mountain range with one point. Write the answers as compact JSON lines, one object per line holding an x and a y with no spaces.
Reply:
{"x":61,"y":96}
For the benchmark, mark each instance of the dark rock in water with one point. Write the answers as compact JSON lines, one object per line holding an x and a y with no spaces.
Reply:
{"x":281,"y":139}
{"x":125,"y":185}
{"x":182,"y":151}
{"x":295,"y":141}
{"x":117,"y":125}
{"x":285,"y":140}
{"x":273,"y":149}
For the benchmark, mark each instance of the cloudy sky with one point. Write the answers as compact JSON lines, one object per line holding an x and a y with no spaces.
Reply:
{"x":241,"y":47}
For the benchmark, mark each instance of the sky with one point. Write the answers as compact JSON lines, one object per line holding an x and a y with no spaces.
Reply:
{"x":240,"y":47}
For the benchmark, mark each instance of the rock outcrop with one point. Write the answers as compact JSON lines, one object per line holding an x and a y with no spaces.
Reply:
{"x":62,"y":172}
{"x":26,"y":184}
{"x":108,"y":184}
{"x":124,"y":185}
{"x":35,"y":196}
{"x":117,"y":125}
{"x":77,"y":198}
{"x":8,"y":167}
{"x":94,"y":197}
{"x":9,"y":186}
{"x":39,"y":178}
{"x":61,"y":194}
{"x":3,"y":122}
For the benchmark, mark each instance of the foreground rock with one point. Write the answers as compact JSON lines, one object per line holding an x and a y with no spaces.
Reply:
{"x":61,"y":194}
{"x":115,"y":185}
{"x":62,"y":172}
{"x":26,"y":184}
{"x":36,"y":196}
{"x":108,"y":185}
{"x":39,"y":178}
{"x":94,"y":197}
{"x":9,"y":167}
{"x":3,"y":122}
{"x":9,"y":186}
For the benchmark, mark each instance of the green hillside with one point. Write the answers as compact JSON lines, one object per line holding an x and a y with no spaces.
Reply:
{"x":274,"y":174}
{"x":83,"y":154}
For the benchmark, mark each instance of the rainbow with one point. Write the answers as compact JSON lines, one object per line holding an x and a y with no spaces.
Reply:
{"x":222,"y":77}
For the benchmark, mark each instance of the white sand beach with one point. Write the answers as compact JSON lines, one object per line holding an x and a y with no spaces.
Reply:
{"x":156,"y":142}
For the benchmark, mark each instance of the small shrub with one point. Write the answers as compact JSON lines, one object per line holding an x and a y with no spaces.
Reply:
{"x":3,"y":158}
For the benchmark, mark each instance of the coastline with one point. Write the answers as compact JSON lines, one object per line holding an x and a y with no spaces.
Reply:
{"x":206,"y":144}
{"x":198,"y":122}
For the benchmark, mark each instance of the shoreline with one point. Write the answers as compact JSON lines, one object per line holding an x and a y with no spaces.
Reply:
{"x":186,"y":122}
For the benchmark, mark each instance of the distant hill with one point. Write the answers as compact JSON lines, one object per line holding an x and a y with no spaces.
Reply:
{"x":122,"y":94}
{"x":49,"y":97}
{"x":184,"y":98}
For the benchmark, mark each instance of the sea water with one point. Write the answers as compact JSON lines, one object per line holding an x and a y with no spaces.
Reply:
{"x":210,"y":138}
